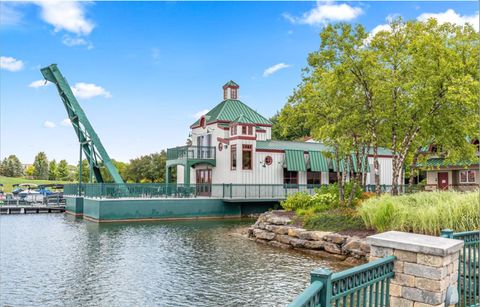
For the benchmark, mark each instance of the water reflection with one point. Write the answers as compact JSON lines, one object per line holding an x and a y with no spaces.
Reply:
{"x":57,"y":260}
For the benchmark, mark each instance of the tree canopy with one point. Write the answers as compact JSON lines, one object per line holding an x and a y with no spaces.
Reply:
{"x":403,"y":88}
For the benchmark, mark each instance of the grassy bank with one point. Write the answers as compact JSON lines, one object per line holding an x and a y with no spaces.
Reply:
{"x":424,"y":212}
{"x":8,"y":182}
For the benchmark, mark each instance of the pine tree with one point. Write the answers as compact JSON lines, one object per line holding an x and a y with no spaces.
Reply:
{"x":52,"y":170}
{"x":62,"y":171}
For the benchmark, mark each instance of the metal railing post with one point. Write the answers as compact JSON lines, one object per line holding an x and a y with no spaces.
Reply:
{"x":447,"y":233}
{"x":325,"y":276}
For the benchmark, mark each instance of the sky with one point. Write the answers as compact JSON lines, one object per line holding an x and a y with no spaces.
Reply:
{"x":145,"y":71}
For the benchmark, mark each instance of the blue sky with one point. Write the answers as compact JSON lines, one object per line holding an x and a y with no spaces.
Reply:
{"x":143,"y":71}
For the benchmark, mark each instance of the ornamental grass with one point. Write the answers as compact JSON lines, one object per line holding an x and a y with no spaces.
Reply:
{"x":423,"y":212}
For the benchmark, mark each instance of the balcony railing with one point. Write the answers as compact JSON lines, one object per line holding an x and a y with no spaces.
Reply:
{"x":191,"y":152}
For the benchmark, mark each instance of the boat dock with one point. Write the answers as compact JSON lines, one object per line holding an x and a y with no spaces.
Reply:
{"x":27,"y":209}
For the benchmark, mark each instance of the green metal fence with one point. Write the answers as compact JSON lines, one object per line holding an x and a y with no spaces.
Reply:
{"x":174,"y":190}
{"x":364,"y":285}
{"x":468,"y":267}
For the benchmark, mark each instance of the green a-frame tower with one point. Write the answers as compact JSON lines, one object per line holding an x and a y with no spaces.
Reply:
{"x":90,"y":143}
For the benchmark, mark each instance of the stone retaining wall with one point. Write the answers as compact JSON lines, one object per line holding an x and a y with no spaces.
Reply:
{"x":277,"y":230}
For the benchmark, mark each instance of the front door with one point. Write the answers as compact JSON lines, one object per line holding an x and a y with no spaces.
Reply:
{"x":442,"y":181}
{"x":204,"y":182}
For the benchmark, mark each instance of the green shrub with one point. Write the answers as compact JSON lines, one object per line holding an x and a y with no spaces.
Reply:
{"x":423,"y":212}
{"x":334,"y":220}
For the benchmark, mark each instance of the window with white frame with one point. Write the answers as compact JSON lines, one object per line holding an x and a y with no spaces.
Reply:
{"x":467,"y":176}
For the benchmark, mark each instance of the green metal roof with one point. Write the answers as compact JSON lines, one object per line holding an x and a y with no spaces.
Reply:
{"x":318,"y":162}
{"x":442,"y":162}
{"x":231,"y":109}
{"x":306,"y":146}
{"x":295,"y":160}
{"x":242,"y":119}
{"x":231,"y":83}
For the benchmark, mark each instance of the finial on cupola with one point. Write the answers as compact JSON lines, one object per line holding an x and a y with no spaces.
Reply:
{"x":230,"y":90}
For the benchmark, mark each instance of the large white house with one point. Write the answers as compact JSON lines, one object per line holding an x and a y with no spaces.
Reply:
{"x":232,"y":144}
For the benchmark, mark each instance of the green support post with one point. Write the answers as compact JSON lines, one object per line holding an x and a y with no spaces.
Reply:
{"x":80,"y":173}
{"x":93,"y":148}
{"x":447,"y":233}
{"x":325,"y":276}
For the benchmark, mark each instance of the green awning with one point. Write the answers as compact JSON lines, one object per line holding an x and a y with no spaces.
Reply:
{"x":318,"y":162}
{"x":365,"y":168}
{"x":295,"y":160}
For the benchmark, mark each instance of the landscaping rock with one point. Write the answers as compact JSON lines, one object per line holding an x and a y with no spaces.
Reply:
{"x":281,"y":230}
{"x":262,"y":234}
{"x":314,"y":244}
{"x":323,"y":254}
{"x":365,"y":247}
{"x":278,"y":220}
{"x":313,"y":235}
{"x":352,"y":243}
{"x":295,"y":232}
{"x":335,"y":238}
{"x":332,"y":248}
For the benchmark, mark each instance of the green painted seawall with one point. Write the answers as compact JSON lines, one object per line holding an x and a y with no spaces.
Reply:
{"x":74,"y":205}
{"x":118,"y":210}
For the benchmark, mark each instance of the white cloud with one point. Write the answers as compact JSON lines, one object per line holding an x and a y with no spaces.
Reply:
{"x":49,"y":124}
{"x":76,"y":41}
{"x":9,"y":16}
{"x":89,"y":90}
{"x":66,"y":15}
{"x":39,"y":83}
{"x":452,"y":17}
{"x":324,"y":12}
{"x":66,"y":122}
{"x":273,"y":69}
{"x":200,"y":113}
{"x":10,"y":64}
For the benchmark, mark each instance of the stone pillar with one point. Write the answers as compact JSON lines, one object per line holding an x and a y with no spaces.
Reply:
{"x":424,"y":269}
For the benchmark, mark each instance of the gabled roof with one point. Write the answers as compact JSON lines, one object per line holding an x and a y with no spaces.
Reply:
{"x":231,"y":83}
{"x":229,"y":110}
{"x":242,"y":119}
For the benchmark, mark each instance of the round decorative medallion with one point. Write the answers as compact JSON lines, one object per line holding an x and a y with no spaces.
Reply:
{"x":268,"y":160}
{"x":220,"y":146}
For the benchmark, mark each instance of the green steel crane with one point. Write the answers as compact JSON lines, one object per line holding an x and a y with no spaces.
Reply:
{"x":89,"y":141}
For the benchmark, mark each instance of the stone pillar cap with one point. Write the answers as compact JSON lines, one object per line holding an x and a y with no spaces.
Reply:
{"x":417,"y":243}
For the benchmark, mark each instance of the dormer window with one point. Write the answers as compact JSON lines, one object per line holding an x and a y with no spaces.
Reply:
{"x":244,"y":130}
{"x":233,"y":130}
{"x":203,"y":122}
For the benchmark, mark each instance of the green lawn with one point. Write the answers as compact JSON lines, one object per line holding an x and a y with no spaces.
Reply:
{"x":9,"y":181}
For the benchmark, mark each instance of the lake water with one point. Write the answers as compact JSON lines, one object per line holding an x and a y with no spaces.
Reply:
{"x":57,"y":260}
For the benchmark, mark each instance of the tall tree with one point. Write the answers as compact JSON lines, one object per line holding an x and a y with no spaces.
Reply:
{"x":429,"y":86}
{"x":62,"y":170}
{"x":52,"y":170}
{"x":11,"y":167}
{"x":41,"y":166}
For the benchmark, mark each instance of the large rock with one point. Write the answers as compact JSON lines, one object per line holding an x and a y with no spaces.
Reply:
{"x":278,"y":220}
{"x":290,"y":240}
{"x":295,"y":232}
{"x":332,"y":248}
{"x":335,"y":238}
{"x":352,"y":243}
{"x":365,"y":247}
{"x":262,"y":234}
{"x":281,"y":230}
{"x":314,"y":244}
{"x":314,"y":235}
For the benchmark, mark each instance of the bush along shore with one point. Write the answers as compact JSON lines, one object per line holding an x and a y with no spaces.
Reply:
{"x":275,"y":228}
